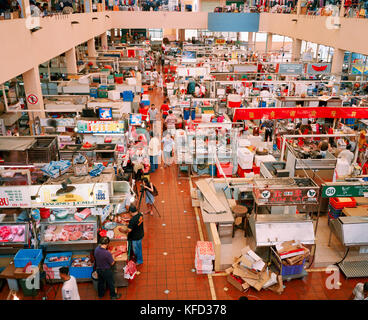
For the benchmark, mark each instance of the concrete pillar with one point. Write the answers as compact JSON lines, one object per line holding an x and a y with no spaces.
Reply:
{"x":181,"y":34}
{"x":104,"y":44}
{"x":342,"y":8}
{"x":296,"y":48}
{"x":112,"y":31}
{"x":298,"y":7}
{"x":269,"y":42}
{"x":337,"y":61}
{"x":87,"y":6}
{"x":71,"y":61}
{"x":25,"y":9}
{"x":250,"y":40}
{"x":91,"y":48}
{"x":33,"y":92}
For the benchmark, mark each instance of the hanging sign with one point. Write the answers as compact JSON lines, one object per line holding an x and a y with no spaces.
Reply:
{"x":287,"y":196}
{"x":32,"y":99}
{"x":318,"y":68}
{"x":299,"y":113}
{"x":84,"y":126}
{"x":344,"y":191}
{"x":88,"y":194}
{"x":289,"y":68}
{"x":359,"y":68}
{"x":12,"y":197}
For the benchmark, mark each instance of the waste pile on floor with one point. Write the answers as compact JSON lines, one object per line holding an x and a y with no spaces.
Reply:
{"x":249,"y":270}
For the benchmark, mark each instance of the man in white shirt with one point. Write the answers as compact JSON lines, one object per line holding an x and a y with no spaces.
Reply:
{"x":347,"y":154}
{"x":154,"y":149}
{"x":360,"y":291}
{"x":70,"y":289}
{"x":169,"y":144}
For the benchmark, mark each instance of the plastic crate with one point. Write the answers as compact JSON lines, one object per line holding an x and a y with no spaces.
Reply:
{"x":291,"y":270}
{"x":340,"y":203}
{"x":59,"y":263}
{"x":145,"y":102}
{"x":81,"y":272}
{"x":334,"y":213}
{"x":227,"y":169}
{"x":24,"y":256}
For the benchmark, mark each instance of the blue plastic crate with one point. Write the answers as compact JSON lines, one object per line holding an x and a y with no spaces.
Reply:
{"x":81,"y":272}
{"x":145,"y":102}
{"x":24,"y":256}
{"x":59,"y":263}
{"x":127,"y":95}
{"x":291,"y":270}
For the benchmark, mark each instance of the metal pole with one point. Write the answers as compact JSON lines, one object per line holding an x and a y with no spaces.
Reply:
{"x":5,"y":99}
{"x":283,"y":148}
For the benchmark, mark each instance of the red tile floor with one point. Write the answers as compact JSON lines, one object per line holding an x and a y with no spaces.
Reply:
{"x":176,"y":233}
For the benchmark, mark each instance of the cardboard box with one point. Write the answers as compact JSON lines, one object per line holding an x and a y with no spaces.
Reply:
{"x":238,"y":285}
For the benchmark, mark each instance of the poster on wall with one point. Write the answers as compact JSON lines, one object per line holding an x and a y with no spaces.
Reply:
{"x":61,"y":122}
{"x":189,"y":56}
{"x":84,"y":126}
{"x":359,"y":68}
{"x":87,"y":194}
{"x":289,"y":68}
{"x":318,"y":68}
{"x":220,"y":41}
{"x":13,"y":197}
{"x":135,"y":119}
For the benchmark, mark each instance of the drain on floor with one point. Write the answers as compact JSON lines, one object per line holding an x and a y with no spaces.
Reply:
{"x":165,"y":253}
{"x":164,"y":224}
{"x":163,"y":201}
{"x":188,"y":237}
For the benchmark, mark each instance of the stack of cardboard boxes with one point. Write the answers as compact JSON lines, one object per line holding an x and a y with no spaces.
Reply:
{"x":205,"y":255}
{"x":294,"y":254}
{"x":249,"y":270}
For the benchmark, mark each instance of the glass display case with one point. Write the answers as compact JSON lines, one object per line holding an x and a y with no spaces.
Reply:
{"x":69,"y":231}
{"x":12,"y":232}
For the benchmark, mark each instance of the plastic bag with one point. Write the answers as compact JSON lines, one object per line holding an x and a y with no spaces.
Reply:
{"x":130,"y":270}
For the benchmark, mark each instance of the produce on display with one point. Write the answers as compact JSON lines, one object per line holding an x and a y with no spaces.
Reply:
{"x":69,"y":232}
{"x":11,"y":233}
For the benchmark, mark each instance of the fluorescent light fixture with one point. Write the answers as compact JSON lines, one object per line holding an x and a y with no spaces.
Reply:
{"x":109,"y":134}
{"x":74,"y":22}
{"x":15,"y":166}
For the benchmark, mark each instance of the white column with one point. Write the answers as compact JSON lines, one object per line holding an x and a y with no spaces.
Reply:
{"x":269,"y":42}
{"x":296,"y":47}
{"x":91,"y":48}
{"x":104,"y":41}
{"x":337,"y":61}
{"x":71,"y":61}
{"x":33,"y":91}
{"x":250,"y":40}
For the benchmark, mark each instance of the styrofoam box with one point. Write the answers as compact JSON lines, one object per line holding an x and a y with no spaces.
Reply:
{"x":132,"y":81}
{"x":113,"y":95}
{"x":258,"y":159}
{"x":245,"y":158}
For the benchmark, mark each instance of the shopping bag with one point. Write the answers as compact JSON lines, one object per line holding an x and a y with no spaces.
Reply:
{"x":130,"y":269}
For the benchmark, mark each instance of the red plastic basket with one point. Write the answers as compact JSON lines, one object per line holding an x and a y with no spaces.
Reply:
{"x":227,"y":168}
{"x":340,"y":203}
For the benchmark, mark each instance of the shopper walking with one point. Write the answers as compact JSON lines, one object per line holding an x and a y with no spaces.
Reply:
{"x":152,"y":112}
{"x":69,"y":291}
{"x":136,"y":233}
{"x":169,"y":143}
{"x":154,"y":151}
{"x":170,"y":122}
{"x":165,"y":109}
{"x":268,"y":125}
{"x":104,"y":264}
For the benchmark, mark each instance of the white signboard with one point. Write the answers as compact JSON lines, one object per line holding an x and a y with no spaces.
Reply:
{"x":12,"y":197}
{"x":84,"y":195}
